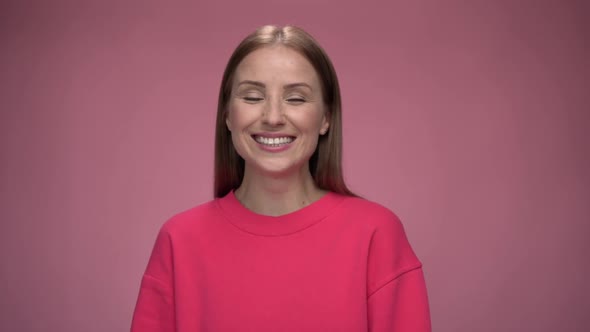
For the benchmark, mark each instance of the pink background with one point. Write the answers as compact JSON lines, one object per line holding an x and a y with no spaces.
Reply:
{"x":469,"y":119}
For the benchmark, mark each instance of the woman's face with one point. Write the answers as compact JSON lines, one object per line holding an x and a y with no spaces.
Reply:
{"x":276,"y":112}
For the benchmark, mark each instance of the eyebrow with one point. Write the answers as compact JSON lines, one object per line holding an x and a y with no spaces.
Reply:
{"x":256,"y":83}
{"x":286,"y":87}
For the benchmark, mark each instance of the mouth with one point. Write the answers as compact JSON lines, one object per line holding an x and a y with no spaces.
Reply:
{"x":273,"y":141}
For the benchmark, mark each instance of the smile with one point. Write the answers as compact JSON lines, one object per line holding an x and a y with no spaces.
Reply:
{"x":273,"y":141}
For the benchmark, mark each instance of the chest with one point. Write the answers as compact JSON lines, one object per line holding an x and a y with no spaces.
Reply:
{"x":306,"y":282}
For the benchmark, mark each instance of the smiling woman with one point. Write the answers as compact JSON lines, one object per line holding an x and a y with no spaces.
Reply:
{"x":284,"y":246}
{"x":275,"y":115}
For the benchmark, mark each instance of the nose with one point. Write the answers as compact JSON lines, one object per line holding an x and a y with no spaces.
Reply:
{"x":273,"y":113}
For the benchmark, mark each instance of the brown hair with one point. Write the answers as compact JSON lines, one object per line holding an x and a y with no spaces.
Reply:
{"x":325,"y":163}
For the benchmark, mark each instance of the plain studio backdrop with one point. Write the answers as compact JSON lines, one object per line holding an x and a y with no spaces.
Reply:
{"x":469,"y":119}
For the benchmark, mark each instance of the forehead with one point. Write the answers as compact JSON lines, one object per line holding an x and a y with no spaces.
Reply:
{"x":276,"y":64}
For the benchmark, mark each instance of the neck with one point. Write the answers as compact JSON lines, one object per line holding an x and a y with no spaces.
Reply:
{"x":275,"y":196}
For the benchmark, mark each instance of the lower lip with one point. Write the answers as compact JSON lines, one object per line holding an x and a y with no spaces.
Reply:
{"x":279,"y":148}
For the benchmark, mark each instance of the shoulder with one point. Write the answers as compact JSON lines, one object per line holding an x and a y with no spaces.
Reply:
{"x":191,"y":219}
{"x":390,"y":252}
{"x":388,"y":236}
{"x":176,"y":235}
{"x":371,"y":213}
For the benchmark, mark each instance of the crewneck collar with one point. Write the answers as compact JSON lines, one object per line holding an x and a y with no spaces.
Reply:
{"x":296,"y":221}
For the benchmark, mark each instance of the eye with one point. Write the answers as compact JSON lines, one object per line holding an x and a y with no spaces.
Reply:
{"x":252,"y":99}
{"x":295,"y":100}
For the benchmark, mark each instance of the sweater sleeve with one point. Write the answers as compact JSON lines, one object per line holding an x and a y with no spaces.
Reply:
{"x":400,"y":305}
{"x":154,"y":310}
{"x":397,"y":299}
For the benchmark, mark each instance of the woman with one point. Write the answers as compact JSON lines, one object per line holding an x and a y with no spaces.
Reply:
{"x":285,"y":246}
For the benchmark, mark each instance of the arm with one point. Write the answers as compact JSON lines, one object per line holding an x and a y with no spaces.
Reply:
{"x":400,"y":305}
{"x":396,"y":297}
{"x":155,"y":310}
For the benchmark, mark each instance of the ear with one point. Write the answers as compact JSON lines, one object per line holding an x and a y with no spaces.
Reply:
{"x":227,"y":120}
{"x":325,"y":123}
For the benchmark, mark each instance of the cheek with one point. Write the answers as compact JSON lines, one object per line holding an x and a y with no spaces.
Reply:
{"x":312,"y":122}
{"x":237,"y":122}
{"x":238,"y":142}
{"x":240,"y":117}
{"x":233,"y":119}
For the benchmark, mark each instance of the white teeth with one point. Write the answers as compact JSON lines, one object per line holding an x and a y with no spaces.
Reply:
{"x":273,"y":141}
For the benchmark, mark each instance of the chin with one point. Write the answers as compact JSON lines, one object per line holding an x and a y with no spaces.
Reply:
{"x":279,"y":169}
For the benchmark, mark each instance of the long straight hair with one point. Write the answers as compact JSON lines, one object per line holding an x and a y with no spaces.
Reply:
{"x":325,"y":164}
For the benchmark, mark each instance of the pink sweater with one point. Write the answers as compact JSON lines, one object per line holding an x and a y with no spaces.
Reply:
{"x":339,"y":264}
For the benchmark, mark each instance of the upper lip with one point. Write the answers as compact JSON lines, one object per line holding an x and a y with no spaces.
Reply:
{"x":272,"y":135}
